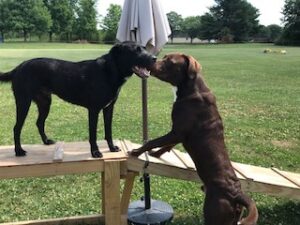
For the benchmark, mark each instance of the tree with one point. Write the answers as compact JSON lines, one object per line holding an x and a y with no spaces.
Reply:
{"x":191,"y":26}
{"x":291,"y":20}
{"x":110,"y":22}
{"x":209,"y":28}
{"x":42,"y":19}
{"x":29,"y":16}
{"x":238,"y":17}
{"x":175,"y":21}
{"x":86,"y":22}
{"x":275,"y":32}
{"x":62,"y":15}
{"x":5,"y":20}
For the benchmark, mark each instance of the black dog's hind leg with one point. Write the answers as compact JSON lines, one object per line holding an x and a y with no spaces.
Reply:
{"x":93,"y":121}
{"x":22,"y":107}
{"x":43,"y":102}
{"x":107,"y":116}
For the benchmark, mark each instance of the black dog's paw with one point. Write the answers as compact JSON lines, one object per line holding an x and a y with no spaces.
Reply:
{"x":96,"y":154}
{"x":20,"y":152}
{"x":114,"y":149}
{"x":49,"y":142}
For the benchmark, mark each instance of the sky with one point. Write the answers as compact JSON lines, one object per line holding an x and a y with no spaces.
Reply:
{"x":270,"y":10}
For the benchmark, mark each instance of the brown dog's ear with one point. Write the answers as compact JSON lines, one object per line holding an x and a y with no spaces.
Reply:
{"x":193,"y":66}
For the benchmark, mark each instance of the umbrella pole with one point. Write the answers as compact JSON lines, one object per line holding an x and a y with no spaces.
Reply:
{"x":146,"y":176}
{"x":147,"y":211}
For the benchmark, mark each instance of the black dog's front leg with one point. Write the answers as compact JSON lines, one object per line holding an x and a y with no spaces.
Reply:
{"x":169,"y":139}
{"x":93,"y":121}
{"x":107,"y":116}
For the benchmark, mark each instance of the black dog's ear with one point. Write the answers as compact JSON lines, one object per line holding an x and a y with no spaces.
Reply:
{"x":193,"y":66}
{"x":115,"y":50}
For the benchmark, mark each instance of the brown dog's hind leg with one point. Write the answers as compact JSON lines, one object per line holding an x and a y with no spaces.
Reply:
{"x":218,"y":210}
{"x":169,"y":139}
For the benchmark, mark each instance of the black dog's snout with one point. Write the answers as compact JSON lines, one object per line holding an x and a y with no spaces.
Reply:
{"x":154,"y":58}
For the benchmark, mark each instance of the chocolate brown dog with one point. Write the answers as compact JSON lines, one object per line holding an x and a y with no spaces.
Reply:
{"x":198,"y":126}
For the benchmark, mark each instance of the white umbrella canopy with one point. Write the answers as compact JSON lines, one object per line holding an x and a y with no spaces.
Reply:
{"x":145,"y":22}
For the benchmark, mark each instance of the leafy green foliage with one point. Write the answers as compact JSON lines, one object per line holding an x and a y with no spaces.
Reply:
{"x":62,"y":14}
{"x":191,"y":26}
{"x":291,"y":19}
{"x":110,"y":22}
{"x":236,"y":18}
{"x":176,"y":23}
{"x":86,"y":23}
{"x":26,"y":16}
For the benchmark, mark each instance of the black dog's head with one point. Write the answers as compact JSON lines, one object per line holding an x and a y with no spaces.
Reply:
{"x":132,"y":58}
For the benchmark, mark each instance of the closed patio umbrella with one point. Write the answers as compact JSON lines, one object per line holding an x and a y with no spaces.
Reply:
{"x":144,"y":22}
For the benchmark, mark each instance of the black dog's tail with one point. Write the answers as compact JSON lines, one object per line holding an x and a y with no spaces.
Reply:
{"x":252,"y":217}
{"x":6,"y":77}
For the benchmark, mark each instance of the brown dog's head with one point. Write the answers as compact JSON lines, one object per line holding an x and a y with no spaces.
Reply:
{"x":176,"y":68}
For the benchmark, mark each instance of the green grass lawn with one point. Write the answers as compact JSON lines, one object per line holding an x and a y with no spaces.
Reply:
{"x":258,"y":97}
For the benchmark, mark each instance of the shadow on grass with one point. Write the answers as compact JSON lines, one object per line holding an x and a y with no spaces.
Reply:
{"x":187,"y":220}
{"x":284,"y":214}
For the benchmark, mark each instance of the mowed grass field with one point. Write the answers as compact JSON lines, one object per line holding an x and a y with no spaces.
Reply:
{"x":258,"y":97}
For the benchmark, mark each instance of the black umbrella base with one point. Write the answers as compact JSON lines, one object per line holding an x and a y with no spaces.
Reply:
{"x":159,"y":213}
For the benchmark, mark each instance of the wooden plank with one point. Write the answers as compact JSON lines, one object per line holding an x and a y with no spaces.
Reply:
{"x":169,"y":158}
{"x":88,"y":220}
{"x":112,"y":192}
{"x":292,"y":177}
{"x":252,"y":178}
{"x":270,"y":189}
{"x":239,"y":173}
{"x":103,"y":193}
{"x":51,"y":169}
{"x":137,"y":165}
{"x":263,"y":175}
{"x":185,"y":158}
{"x":42,"y":154}
{"x":129,"y":181}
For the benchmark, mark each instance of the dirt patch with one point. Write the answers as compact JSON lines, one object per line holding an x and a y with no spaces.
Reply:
{"x":284,"y":144}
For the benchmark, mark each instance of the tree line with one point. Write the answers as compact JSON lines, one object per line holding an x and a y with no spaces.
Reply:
{"x":227,"y":21}
{"x":237,"y":21}
{"x":66,"y":19}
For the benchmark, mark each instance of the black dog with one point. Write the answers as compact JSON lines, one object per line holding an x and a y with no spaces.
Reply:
{"x":93,"y":84}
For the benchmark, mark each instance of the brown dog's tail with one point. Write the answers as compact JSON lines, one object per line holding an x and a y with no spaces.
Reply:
{"x":252,"y":216}
{"x":6,"y":77}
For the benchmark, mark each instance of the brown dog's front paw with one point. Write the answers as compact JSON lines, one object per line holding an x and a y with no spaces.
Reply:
{"x":155,"y":154}
{"x":135,"y":153}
